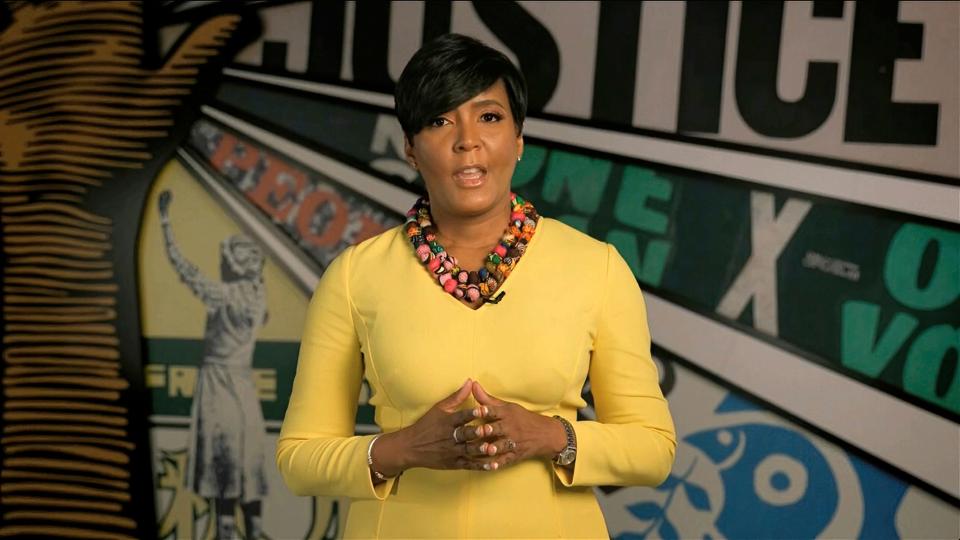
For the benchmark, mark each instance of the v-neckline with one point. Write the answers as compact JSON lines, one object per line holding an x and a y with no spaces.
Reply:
{"x":538,"y":231}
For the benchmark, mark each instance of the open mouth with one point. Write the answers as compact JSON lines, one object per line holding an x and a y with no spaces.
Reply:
{"x":471,"y":176}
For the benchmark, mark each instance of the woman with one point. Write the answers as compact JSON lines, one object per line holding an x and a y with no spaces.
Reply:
{"x":476,"y":324}
{"x":227,"y":451}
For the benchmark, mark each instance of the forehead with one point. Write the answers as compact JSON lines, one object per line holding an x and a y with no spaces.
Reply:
{"x":246,"y":248}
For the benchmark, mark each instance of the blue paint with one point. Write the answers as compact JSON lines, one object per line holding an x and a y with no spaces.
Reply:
{"x":734,"y":403}
{"x":749,"y":514}
{"x":882,"y":495}
{"x":780,"y":481}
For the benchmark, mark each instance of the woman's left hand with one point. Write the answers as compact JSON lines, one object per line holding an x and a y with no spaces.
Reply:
{"x":510,"y":433}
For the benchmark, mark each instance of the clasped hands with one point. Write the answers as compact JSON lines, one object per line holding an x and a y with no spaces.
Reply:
{"x":490,"y":436}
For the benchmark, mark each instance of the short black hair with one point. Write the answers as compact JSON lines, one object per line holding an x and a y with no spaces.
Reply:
{"x":448,"y":71}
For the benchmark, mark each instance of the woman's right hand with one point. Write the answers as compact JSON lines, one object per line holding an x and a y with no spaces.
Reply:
{"x":163,"y":202}
{"x":429,"y":441}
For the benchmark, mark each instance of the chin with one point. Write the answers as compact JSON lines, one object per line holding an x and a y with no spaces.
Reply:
{"x":475,"y":204}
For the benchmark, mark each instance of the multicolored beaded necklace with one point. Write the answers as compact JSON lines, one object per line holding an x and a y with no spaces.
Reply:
{"x":482,"y":283}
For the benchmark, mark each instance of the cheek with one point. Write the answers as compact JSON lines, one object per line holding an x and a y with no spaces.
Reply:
{"x":433,"y":174}
{"x":506,"y":149}
{"x":430,"y":159}
{"x":434,"y":164}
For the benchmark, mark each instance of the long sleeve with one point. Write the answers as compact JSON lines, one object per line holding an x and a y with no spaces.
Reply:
{"x":633,"y":440}
{"x":318,"y":453}
{"x":208,"y":291}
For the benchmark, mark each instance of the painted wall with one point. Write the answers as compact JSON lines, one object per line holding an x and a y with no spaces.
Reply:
{"x":781,"y":177}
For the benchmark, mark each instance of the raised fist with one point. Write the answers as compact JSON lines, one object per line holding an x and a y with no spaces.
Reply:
{"x":74,"y":112}
{"x":163,"y":202}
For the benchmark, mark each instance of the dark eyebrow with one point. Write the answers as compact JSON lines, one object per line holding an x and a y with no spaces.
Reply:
{"x":486,"y":102}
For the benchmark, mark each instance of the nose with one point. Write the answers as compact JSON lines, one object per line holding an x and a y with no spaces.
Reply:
{"x":467,"y":138}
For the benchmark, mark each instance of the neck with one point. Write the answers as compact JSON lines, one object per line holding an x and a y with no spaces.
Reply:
{"x":482,"y":231}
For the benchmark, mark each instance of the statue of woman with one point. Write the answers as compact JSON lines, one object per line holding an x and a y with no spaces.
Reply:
{"x":226,"y":459}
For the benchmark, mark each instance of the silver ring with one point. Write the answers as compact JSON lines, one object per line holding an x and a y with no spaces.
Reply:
{"x":456,"y":435}
{"x":511,"y":445}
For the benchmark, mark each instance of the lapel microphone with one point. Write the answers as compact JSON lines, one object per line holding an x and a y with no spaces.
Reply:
{"x":497,"y":299}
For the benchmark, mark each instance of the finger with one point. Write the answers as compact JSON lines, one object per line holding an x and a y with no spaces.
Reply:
{"x":494,"y":463}
{"x":470,"y":464}
{"x":492,"y":413}
{"x":463,"y":434}
{"x":454,"y":400}
{"x":461,"y":417}
{"x":482,"y":449}
{"x":490,"y":431}
{"x":477,"y":463}
{"x":457,"y":435}
{"x":503,"y":446}
{"x":464,"y":462}
{"x":207,"y":40}
{"x":483,"y":397}
{"x":501,"y":462}
{"x":472,"y":433}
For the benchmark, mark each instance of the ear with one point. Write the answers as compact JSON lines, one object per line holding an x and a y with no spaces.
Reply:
{"x":408,"y":151}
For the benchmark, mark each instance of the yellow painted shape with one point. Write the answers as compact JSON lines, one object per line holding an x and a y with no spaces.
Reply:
{"x":167,"y":307}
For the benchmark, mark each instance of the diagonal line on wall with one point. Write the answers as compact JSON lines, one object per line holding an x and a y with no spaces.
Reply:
{"x":933,"y":200}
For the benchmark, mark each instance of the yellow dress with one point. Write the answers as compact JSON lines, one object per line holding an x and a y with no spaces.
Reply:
{"x":572,"y":308}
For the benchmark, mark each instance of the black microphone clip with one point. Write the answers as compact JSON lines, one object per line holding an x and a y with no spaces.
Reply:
{"x":497,"y":299}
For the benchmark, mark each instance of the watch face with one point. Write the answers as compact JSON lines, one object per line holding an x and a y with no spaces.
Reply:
{"x":567,"y":456}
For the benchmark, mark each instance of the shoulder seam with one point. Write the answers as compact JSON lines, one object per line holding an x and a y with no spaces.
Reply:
{"x":348,"y":260}
{"x":604,"y":293}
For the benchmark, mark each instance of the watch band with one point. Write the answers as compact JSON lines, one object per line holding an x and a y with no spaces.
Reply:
{"x":569,"y":453}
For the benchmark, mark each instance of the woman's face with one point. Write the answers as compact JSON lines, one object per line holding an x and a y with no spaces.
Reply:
{"x":244,"y":260}
{"x":467,"y":155}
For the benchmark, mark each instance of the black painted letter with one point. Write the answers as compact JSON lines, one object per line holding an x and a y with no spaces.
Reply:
{"x":371,"y":39}
{"x":701,"y":75}
{"x":758,"y":54}
{"x":615,"y":77}
{"x":326,"y":39}
{"x":535,"y":48}
{"x":872,"y":116}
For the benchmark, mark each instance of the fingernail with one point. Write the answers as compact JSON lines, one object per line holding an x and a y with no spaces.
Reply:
{"x":478,"y":412}
{"x":483,"y":448}
{"x":479,"y":431}
{"x":486,"y":411}
{"x":493,"y":449}
{"x":496,"y":465}
{"x":489,"y":429}
{"x":486,"y":466}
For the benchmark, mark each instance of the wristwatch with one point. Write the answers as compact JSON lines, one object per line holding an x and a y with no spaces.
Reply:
{"x":569,"y":454}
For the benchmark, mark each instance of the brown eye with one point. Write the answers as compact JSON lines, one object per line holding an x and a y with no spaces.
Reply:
{"x":491,"y":117}
{"x":436,"y":122}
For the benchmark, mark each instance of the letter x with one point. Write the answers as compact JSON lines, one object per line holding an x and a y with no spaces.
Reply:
{"x":758,"y":280}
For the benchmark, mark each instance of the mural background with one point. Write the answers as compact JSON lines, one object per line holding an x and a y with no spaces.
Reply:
{"x":782,"y":177}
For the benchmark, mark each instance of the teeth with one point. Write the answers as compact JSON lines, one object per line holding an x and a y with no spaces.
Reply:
{"x":471,"y":170}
